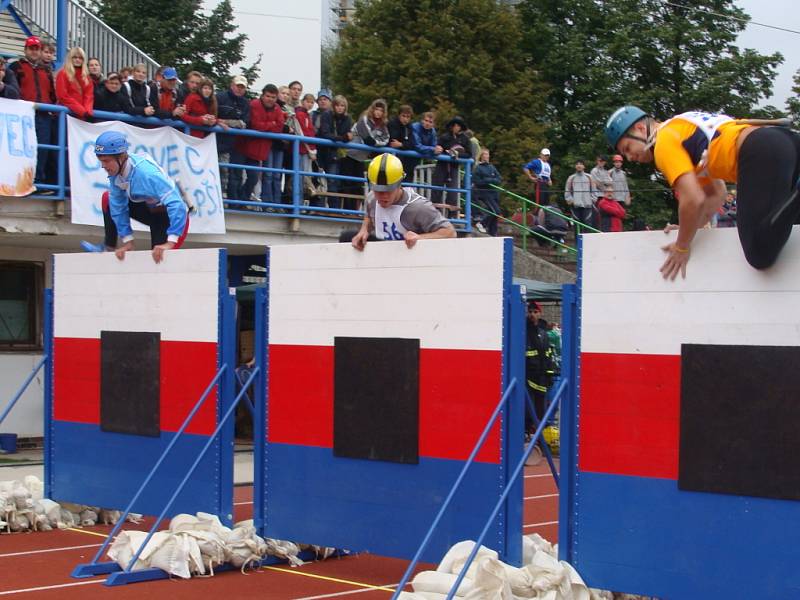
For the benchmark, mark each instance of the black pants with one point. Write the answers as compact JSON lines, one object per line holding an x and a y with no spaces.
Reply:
{"x":490,"y":201}
{"x":584,"y":214}
{"x":157,"y":220}
{"x":769,"y":165}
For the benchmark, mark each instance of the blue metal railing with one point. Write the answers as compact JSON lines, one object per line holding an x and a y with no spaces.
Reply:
{"x":296,"y":209}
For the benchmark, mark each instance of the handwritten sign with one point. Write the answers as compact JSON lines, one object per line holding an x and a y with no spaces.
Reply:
{"x":190,"y":161}
{"x":17,"y":147}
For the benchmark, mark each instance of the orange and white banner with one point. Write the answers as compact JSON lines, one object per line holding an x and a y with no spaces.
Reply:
{"x":17,"y":147}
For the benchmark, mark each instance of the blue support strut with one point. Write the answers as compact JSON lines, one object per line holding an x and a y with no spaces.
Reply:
{"x":499,"y":505}
{"x":97,"y":568}
{"x":454,"y":489}
{"x":24,"y":387}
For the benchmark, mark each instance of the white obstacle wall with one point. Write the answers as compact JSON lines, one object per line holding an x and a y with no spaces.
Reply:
{"x":723,"y":300}
{"x":178,"y":297}
{"x":319,"y":292}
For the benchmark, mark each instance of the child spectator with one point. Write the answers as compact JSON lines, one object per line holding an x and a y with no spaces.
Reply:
{"x":95,"y":72}
{"x":370,"y":129}
{"x":401,"y":137}
{"x":308,"y":152}
{"x":201,"y":108}
{"x":8,"y":82}
{"x":74,"y":89}
{"x":611,"y":212}
{"x":112,"y":96}
{"x":125,"y":74}
{"x":143,"y":96}
{"x":48,"y":55}
{"x":487,"y":175}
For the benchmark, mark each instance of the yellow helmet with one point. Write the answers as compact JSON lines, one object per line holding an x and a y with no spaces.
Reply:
{"x":385,"y":172}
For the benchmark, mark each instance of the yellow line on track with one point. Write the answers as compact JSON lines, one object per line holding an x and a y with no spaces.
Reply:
{"x":102,"y":535}
{"x":334,"y":579}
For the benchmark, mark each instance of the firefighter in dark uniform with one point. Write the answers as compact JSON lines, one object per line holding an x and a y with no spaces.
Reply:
{"x":538,"y":362}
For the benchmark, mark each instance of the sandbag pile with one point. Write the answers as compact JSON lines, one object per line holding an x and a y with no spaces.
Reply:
{"x":542,"y":576}
{"x":195,"y":545}
{"x":23,"y":508}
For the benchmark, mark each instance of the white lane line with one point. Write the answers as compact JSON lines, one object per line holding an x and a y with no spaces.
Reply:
{"x":347,"y":593}
{"x":49,"y":550}
{"x":540,"y":524}
{"x":51,"y":587}
{"x":241,"y":503}
{"x":538,"y":475}
{"x":541,"y":496}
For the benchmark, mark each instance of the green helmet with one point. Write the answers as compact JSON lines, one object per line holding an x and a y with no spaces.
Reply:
{"x":622,"y":120}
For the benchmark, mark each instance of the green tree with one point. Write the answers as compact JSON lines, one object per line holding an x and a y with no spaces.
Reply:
{"x":180,"y":34}
{"x":793,"y":104}
{"x":667,"y":56}
{"x":456,"y":57}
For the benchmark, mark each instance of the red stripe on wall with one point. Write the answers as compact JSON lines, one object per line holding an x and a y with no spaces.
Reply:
{"x":630,"y":414}
{"x":186,"y":370}
{"x":458,"y":391}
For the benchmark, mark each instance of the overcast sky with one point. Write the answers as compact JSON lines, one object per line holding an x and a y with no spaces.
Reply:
{"x":781,"y":13}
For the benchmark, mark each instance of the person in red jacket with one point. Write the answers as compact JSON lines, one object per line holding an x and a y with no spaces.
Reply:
{"x":74,"y":87}
{"x":308,"y":152}
{"x":201,"y":108}
{"x":35,"y":82}
{"x":265,"y":115}
{"x":611,"y":211}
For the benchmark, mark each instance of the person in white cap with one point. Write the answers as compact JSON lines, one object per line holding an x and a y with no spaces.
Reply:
{"x":538,"y":170}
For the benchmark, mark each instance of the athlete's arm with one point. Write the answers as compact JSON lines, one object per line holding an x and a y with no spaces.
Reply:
{"x":445,"y":231}
{"x":696,"y":204}
{"x":360,"y":239}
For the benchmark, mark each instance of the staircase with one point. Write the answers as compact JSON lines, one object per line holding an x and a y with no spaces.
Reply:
{"x":83,"y":29}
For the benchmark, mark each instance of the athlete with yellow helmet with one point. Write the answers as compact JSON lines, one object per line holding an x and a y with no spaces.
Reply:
{"x":397,"y":213}
{"x":698,"y":152}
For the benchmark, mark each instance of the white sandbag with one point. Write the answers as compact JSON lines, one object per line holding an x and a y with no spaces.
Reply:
{"x":440,"y":583}
{"x":457,"y":556}
{"x":490,"y":582}
{"x":50,"y":509}
{"x":88,"y":518}
{"x":35,"y":486}
{"x":108,"y":517}
{"x":126,"y":544}
{"x":19,"y":521}
{"x":421,"y":596}
{"x":172,"y":555}
{"x":22,"y":497}
{"x":285,"y":550}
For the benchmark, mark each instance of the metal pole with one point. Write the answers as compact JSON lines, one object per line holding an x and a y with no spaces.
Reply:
{"x":61,"y":32}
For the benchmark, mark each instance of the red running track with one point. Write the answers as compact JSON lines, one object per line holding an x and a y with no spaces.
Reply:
{"x":38,"y":565}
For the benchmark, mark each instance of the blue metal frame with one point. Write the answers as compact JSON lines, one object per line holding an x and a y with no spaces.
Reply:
{"x":48,"y":384}
{"x":261,"y":356}
{"x":570,"y":414}
{"x":296,"y":209}
{"x":7,"y":5}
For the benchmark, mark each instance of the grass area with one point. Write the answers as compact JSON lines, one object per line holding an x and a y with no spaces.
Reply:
{"x":6,"y":459}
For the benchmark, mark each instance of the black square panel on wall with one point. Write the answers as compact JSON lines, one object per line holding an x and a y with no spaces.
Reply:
{"x":130,"y":373}
{"x":376,"y":399}
{"x":740,"y":420}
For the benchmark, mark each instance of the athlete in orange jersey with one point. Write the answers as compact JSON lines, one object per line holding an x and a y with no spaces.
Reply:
{"x":698,"y":152}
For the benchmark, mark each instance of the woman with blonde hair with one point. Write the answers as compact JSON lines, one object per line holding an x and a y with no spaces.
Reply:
{"x":371,"y":129}
{"x":74,"y":87}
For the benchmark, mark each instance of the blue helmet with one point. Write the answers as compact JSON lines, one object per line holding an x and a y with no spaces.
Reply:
{"x":622,"y":120}
{"x":110,"y":142}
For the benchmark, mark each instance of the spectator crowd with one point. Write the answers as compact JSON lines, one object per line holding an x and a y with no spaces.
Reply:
{"x":598,"y":199}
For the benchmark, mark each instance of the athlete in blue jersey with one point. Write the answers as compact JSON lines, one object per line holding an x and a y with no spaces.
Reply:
{"x":139,"y":190}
